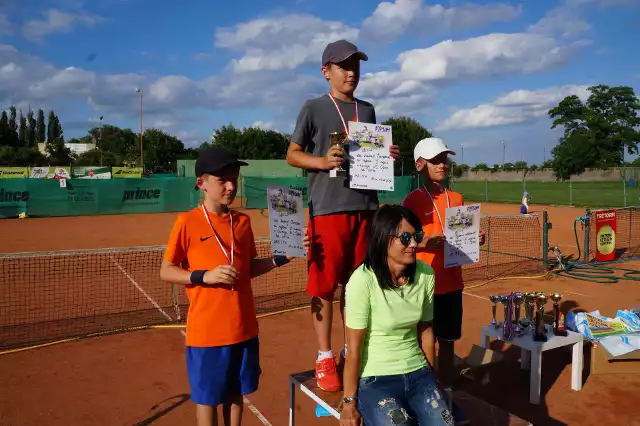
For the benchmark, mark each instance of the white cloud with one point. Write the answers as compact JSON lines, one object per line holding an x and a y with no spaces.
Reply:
{"x":564,"y":20}
{"x":389,"y":21}
{"x":264,"y":125}
{"x":6,"y":28}
{"x":283,"y":43}
{"x":56,"y":21}
{"x":168,"y":101}
{"x":423,"y":72}
{"x":514,"y":107}
{"x":202,"y":57}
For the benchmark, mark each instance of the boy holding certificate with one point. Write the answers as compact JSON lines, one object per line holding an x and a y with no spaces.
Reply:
{"x":429,"y":203}
{"x":338,"y":215}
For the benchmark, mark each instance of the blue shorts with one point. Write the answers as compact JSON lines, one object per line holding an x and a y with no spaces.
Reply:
{"x":523,"y":209}
{"x":216,"y":373}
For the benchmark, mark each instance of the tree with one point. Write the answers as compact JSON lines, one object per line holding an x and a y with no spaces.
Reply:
{"x":251,"y":143}
{"x":54,"y":129}
{"x":31,"y":130}
{"x":533,"y":167}
{"x":484,"y":167}
{"x":40,"y":127}
{"x":596,"y":133}
{"x":521,"y":165}
{"x":95,"y":157}
{"x":22,"y":130}
{"x":13,"y":122}
{"x":58,"y":154}
{"x":161,"y":151}
{"x":407,"y":132}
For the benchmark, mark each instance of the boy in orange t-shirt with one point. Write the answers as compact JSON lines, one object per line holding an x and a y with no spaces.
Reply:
{"x":429,"y":203}
{"x":212,"y":252}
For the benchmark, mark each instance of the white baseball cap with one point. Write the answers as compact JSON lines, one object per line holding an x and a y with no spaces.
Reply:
{"x":429,"y":148}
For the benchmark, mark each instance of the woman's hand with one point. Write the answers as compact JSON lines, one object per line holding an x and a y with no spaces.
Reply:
{"x":350,"y":415}
{"x":482,"y":237}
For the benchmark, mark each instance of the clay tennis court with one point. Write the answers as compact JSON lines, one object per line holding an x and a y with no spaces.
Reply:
{"x":139,"y":377}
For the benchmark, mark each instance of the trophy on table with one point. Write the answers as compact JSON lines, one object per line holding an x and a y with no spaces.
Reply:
{"x":505,"y":302}
{"x":558,"y":321}
{"x":517,"y":301}
{"x":529,"y":303}
{"x":338,"y":138}
{"x":494,"y":299}
{"x":539,"y":335}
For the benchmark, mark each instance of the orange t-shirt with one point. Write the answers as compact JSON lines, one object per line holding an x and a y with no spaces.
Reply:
{"x":218,"y":316}
{"x":447,"y":279}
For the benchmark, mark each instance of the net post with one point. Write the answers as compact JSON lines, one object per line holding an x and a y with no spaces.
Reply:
{"x":587,"y":236}
{"x":546,"y":225}
{"x":488,"y":242}
{"x":624,"y":191}
{"x":176,"y":301}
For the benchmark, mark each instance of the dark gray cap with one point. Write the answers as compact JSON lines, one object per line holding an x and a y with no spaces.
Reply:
{"x":341,"y":50}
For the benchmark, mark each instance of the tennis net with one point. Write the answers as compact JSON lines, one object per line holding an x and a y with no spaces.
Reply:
{"x":50,"y":296}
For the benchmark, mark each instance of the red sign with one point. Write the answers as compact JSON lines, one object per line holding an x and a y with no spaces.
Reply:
{"x":605,"y":235}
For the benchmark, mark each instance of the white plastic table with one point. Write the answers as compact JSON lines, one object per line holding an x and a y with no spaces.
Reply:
{"x":530,"y":349}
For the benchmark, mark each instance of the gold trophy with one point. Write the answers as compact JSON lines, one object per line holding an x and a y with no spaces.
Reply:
{"x":558,"y":322}
{"x":517,"y":301}
{"x":540,"y":335}
{"x":529,"y":303}
{"x":338,"y":138}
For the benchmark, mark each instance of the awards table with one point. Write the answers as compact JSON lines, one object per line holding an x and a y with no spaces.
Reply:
{"x":532,"y":350}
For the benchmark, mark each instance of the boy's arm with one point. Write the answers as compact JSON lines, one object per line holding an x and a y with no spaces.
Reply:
{"x":302,"y":134}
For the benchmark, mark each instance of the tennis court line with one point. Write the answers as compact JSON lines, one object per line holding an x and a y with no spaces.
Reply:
{"x":144,"y":293}
{"x":248,"y":403}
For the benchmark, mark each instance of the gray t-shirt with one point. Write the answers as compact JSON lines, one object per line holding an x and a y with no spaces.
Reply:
{"x":317,"y":119}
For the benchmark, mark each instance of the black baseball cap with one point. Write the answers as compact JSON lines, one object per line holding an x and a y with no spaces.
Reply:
{"x":341,"y":50}
{"x":213,"y":160}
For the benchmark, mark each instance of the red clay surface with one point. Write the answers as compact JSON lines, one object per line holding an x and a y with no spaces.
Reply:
{"x":139,"y":378}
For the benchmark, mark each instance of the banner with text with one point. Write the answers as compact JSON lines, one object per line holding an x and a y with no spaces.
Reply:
{"x":88,"y":172}
{"x":50,"y":172}
{"x":87,"y":197}
{"x":126,"y":172}
{"x":606,"y":235}
{"x":14,"y":172}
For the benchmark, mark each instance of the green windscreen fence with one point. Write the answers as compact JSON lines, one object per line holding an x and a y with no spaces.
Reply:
{"x":82,"y":197}
{"x":255,"y":189}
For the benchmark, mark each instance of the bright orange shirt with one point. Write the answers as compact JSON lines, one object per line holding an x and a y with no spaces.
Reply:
{"x":218,"y":316}
{"x":419,"y":202}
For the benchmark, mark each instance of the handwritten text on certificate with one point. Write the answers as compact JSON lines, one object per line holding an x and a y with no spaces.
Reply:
{"x":286,"y":221}
{"x":370,"y":164}
{"x":462,"y":231}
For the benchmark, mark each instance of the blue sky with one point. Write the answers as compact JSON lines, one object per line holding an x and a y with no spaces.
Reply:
{"x":476,"y":73}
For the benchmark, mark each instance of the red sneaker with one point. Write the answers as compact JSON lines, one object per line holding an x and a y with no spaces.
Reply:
{"x":327,"y":375}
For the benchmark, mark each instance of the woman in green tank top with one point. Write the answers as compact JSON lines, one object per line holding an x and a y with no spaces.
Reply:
{"x":389,"y":310}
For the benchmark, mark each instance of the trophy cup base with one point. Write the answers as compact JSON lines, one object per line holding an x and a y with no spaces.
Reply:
{"x":562,"y":333}
{"x":540,"y":338}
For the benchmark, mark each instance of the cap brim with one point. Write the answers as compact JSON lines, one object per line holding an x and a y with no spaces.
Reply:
{"x":361,"y":55}
{"x":448,"y":151}
{"x":213,"y":172}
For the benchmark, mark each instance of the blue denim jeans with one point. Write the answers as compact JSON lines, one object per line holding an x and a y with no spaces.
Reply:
{"x":403,"y":400}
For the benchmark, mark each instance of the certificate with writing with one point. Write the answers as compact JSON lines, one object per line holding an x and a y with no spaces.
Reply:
{"x":462,"y":231}
{"x":286,"y":221}
{"x":370,"y":164}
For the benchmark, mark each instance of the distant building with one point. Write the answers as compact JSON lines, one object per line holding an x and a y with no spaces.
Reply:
{"x":76,"y":148}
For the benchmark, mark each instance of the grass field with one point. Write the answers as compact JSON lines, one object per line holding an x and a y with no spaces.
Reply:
{"x":583,"y":194}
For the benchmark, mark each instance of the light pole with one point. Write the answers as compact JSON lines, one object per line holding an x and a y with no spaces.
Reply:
{"x":461,"y":154}
{"x":100,"y":140}
{"x":503,"y":154}
{"x":141,"y":149}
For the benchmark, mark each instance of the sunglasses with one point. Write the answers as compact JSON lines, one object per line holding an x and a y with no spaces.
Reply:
{"x":406,"y":237}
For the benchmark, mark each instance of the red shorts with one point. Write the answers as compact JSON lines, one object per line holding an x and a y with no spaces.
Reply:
{"x":338,"y":247}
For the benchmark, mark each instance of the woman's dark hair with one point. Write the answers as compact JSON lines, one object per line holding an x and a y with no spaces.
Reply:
{"x":384,"y":225}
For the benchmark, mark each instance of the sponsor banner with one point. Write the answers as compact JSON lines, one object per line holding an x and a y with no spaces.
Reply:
{"x":91,"y":172}
{"x":605,"y":235}
{"x":126,"y":172}
{"x":50,"y":172}
{"x":14,"y":172}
